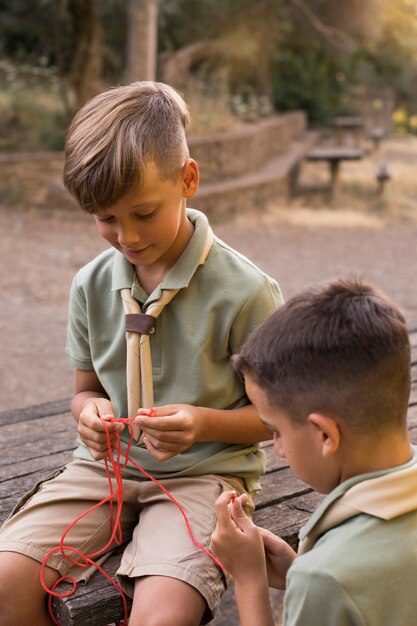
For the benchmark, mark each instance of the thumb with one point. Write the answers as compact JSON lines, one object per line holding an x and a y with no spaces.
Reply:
{"x":112,"y":424}
{"x":239,"y":516}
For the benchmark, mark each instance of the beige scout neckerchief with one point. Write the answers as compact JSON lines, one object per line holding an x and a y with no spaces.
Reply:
{"x":386,"y":497}
{"x":138,"y":328}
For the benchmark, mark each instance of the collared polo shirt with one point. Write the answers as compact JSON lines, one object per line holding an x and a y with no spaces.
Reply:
{"x":218,"y":305}
{"x":359,"y":573}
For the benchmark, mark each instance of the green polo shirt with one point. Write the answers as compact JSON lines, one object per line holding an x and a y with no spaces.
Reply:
{"x":218,"y":305}
{"x":360,"y":573}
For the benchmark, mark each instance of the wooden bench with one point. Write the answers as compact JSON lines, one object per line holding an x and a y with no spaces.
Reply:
{"x":39,"y":439}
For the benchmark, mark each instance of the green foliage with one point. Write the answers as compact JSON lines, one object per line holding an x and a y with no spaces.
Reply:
{"x":32,"y":112}
{"x":40,"y":33}
{"x":182,"y":22}
{"x":312,"y":79}
{"x":268,"y":50}
{"x":29,"y":31}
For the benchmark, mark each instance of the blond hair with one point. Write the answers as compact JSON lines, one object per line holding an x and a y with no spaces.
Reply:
{"x":113,"y":137}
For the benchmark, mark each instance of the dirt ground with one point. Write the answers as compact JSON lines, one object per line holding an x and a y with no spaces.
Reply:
{"x":297,"y":243}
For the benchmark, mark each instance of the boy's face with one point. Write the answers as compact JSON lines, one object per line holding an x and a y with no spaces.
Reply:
{"x":149,"y":225}
{"x":296,"y":443}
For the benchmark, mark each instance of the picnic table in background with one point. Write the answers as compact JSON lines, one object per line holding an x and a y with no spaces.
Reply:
{"x":348,"y":130}
{"x":334,"y":155}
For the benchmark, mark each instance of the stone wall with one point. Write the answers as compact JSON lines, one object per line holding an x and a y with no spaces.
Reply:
{"x":33,"y":179}
{"x":245,"y":149}
{"x":240,"y":169}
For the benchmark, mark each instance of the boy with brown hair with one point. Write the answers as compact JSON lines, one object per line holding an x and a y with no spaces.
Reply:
{"x":153,"y":322}
{"x":329,"y":374}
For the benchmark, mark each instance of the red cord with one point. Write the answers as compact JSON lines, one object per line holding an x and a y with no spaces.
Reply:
{"x":116,"y":531}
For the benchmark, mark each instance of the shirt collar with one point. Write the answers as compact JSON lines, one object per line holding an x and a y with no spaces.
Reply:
{"x":179,"y":276}
{"x":341,"y":489}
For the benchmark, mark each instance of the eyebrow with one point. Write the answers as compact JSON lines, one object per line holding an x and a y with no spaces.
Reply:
{"x":134,"y":207}
{"x":144,"y":205}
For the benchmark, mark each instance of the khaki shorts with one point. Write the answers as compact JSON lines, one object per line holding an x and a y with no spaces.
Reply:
{"x":157,"y":539}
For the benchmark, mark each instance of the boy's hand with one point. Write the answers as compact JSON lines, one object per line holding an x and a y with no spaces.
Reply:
{"x":279,"y":557}
{"x":91,"y":429}
{"x":170,"y":430}
{"x":237,"y":541}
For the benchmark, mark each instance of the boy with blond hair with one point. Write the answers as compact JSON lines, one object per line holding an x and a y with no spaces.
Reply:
{"x":329,"y":374}
{"x":153,"y":322}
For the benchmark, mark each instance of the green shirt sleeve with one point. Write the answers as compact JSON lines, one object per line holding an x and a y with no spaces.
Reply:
{"x":318,"y":600}
{"x":78,"y":345}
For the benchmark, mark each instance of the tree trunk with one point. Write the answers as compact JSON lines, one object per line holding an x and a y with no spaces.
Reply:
{"x":142,"y":37}
{"x":87,"y":63}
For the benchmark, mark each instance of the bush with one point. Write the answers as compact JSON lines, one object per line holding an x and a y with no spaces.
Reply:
{"x":313,"y":80}
{"x":33,"y":115}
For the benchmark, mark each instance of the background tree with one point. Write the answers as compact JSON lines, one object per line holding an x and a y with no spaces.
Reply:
{"x":142,"y":36}
{"x":87,"y":57}
{"x":297,"y":53}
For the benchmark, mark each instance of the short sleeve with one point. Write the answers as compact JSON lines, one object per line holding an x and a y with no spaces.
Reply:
{"x":77,"y":345}
{"x":263,"y":301}
{"x":318,"y":600}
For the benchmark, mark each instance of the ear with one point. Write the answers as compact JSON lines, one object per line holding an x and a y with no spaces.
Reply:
{"x":328,"y":432}
{"x":190,"y":178}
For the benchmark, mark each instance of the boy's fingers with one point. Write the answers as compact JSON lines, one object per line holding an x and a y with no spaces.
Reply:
{"x":147,"y":412}
{"x":244,"y":499}
{"x":158,"y":453}
{"x":222,"y":508}
{"x":112,"y":425}
{"x":239,"y":516}
{"x":160,"y":424}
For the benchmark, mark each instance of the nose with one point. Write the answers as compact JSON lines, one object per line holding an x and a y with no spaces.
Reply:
{"x":127,"y":235}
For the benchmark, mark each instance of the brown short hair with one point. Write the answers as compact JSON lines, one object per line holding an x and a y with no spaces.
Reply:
{"x":116,"y":134}
{"x":341,"y":348}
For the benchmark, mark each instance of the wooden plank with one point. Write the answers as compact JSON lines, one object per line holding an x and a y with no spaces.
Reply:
{"x":31,"y":467}
{"x":60,"y":441}
{"x":36,"y":430}
{"x":28,"y":413}
{"x":286,"y":518}
{"x":273,"y":462}
{"x":278,"y":486}
{"x":44,"y":443}
{"x":12,"y":491}
{"x":81,"y":609}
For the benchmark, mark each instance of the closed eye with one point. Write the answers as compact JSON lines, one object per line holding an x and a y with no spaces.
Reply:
{"x":146,"y":216}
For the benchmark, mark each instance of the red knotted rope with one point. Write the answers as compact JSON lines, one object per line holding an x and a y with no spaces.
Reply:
{"x":115,"y":495}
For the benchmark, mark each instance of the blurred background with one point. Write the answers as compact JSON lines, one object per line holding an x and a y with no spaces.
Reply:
{"x":304,"y":123}
{"x":249,"y":58}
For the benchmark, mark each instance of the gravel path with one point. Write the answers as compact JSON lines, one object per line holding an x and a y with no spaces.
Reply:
{"x":40,"y":252}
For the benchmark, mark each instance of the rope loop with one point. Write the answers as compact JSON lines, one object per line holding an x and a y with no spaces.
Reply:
{"x":116,"y":462}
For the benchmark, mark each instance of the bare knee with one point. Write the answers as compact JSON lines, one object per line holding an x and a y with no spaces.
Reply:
{"x":164,"y":601}
{"x":22,"y":598}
